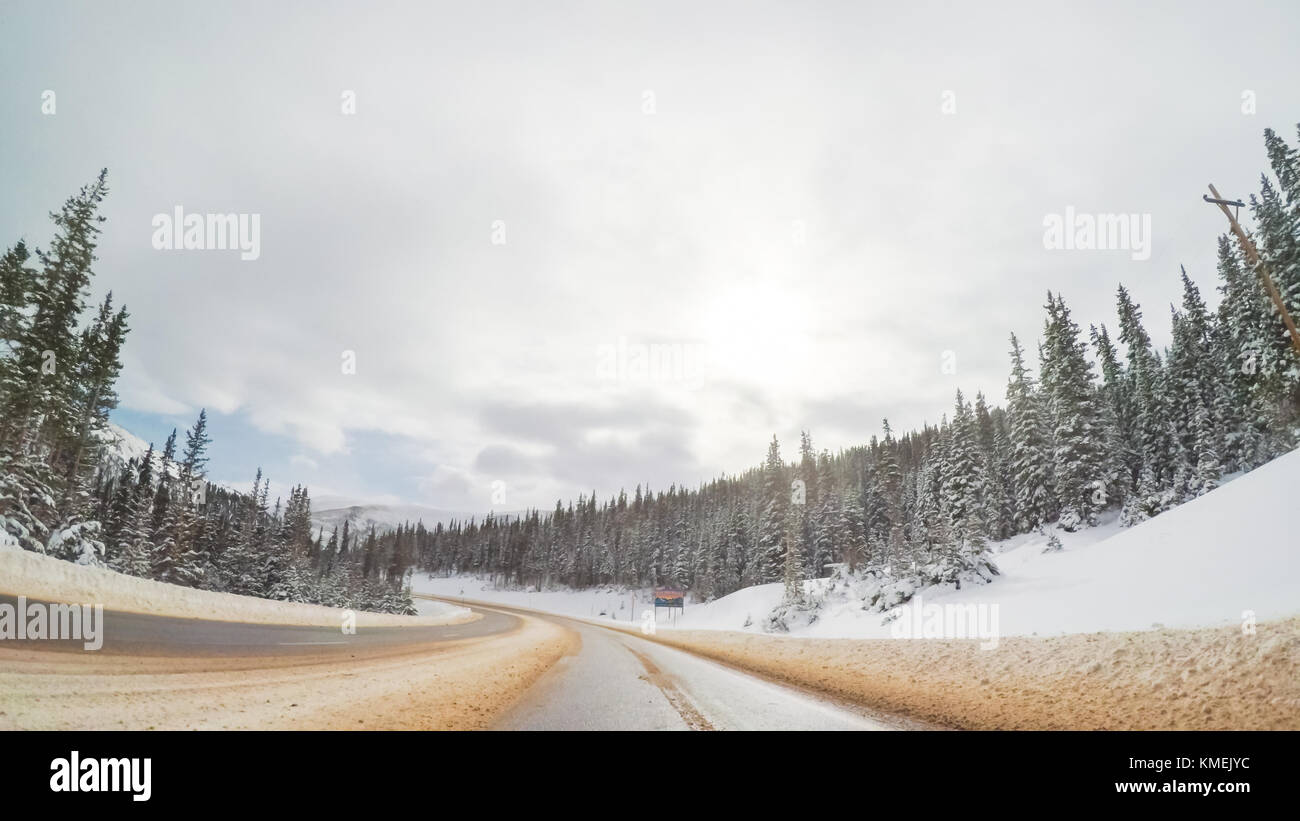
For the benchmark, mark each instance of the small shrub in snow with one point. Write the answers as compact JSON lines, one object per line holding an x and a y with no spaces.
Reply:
{"x":1070,"y":521}
{"x":79,"y":543}
{"x":788,"y":616}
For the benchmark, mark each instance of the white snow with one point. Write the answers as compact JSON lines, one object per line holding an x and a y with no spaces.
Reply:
{"x":611,"y":603}
{"x":39,"y":577}
{"x":1203,"y":564}
{"x":124,"y":444}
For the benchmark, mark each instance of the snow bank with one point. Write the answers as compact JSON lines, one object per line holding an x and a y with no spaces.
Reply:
{"x":1202,"y":564}
{"x":24,"y":573}
{"x":1201,"y":679}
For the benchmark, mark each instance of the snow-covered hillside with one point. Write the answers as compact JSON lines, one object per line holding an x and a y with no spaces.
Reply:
{"x":124,"y":445}
{"x":1202,"y":564}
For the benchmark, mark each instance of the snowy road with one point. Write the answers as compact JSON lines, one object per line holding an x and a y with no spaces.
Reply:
{"x":139,"y":633}
{"x":509,"y":669}
{"x":620,"y":681}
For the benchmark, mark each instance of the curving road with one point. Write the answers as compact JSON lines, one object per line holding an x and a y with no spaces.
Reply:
{"x":618,"y":680}
{"x":138,"y":633}
{"x":612,"y":679}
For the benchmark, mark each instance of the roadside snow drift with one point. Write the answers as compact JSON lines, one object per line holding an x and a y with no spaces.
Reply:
{"x":1206,"y":563}
{"x":24,"y":573}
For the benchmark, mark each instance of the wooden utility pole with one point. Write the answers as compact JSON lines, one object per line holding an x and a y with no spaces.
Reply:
{"x":1252,"y":256}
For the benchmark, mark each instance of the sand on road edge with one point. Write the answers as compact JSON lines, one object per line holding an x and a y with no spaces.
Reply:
{"x":448,"y":685}
{"x":1210,"y":678}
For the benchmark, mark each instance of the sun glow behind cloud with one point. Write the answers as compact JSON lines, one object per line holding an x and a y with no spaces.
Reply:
{"x":796,"y":211}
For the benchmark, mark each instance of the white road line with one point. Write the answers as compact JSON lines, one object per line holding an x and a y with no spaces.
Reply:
{"x":304,"y":643}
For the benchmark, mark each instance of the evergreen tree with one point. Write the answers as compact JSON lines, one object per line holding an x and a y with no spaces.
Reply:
{"x":1193,"y":389}
{"x":1079,"y":457}
{"x":40,"y":392}
{"x":1031,"y":460}
{"x":772,"y":526}
{"x":1119,"y":418}
{"x":178,"y":554}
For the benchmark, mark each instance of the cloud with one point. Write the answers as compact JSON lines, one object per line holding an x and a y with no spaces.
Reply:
{"x":797,"y":206}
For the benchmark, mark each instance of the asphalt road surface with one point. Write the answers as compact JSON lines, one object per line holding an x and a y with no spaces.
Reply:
{"x":621,"y":681}
{"x":136,"y":633}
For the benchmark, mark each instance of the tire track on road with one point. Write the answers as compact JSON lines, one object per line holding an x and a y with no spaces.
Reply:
{"x":679,"y":700}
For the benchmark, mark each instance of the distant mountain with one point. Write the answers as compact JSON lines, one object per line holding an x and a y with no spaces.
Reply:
{"x":123,"y":444}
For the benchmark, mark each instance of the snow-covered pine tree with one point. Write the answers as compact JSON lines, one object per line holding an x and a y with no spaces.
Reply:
{"x":40,"y":392}
{"x":1193,"y":390}
{"x":805,"y":513}
{"x":889,"y":485}
{"x":120,"y":510}
{"x":739,"y":572}
{"x":328,"y":552}
{"x":17,"y":281}
{"x":177,"y":555}
{"x":826,"y":518}
{"x":133,"y":549}
{"x":1154,"y":424}
{"x":1079,"y":456}
{"x":55,"y":386}
{"x":1277,"y":220}
{"x":996,"y":506}
{"x":963,"y":479}
{"x":1208,"y":470}
{"x":1119,"y":415}
{"x":772,"y":525}
{"x":1031,"y":456}
{"x":240,"y":563}
{"x":1237,"y":353}
{"x":792,"y":574}
{"x":851,"y":532}
{"x":77,"y":451}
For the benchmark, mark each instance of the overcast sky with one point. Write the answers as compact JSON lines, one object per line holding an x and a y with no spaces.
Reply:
{"x":811,"y":201}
